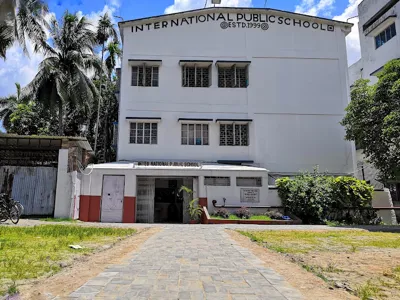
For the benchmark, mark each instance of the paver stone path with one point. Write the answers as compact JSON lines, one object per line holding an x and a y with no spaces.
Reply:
{"x":189,"y":262}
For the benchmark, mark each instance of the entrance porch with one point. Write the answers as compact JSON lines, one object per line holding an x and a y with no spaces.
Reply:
{"x":149,"y":193}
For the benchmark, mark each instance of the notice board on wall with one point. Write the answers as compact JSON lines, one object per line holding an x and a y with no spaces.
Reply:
{"x":250,"y":195}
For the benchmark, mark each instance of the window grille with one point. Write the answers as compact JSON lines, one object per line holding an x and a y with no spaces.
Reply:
{"x":194,"y":134}
{"x":196,"y":76}
{"x":217,"y":181}
{"x":234,"y":135}
{"x":144,"y":76}
{"x":143,"y":133}
{"x":385,"y":36}
{"x":249,"y":181}
{"x":234,"y":77}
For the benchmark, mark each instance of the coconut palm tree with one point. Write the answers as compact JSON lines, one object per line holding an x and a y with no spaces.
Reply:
{"x":105,"y":31}
{"x":8,"y":105}
{"x":62,"y":77}
{"x":20,"y":19}
{"x":114,"y":53}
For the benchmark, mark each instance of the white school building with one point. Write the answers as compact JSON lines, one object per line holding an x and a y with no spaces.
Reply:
{"x":222,"y":100}
{"x":378,"y":26}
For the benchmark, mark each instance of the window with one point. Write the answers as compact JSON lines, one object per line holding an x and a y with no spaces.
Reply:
{"x":193,"y":76}
{"x":249,"y":181}
{"x":232,"y":77}
{"x":194,"y":134}
{"x":144,"y":76}
{"x":143,"y":133}
{"x":385,"y":36}
{"x":234,"y":135}
{"x":217,"y":181}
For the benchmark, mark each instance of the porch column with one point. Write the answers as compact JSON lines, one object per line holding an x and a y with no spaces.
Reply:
{"x":129,"y":209}
{"x":62,"y":207}
{"x":202,"y":194}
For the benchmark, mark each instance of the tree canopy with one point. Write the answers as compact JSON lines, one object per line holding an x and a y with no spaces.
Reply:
{"x":62,"y":78}
{"x":373,"y":121}
{"x":73,"y":93}
{"x":20,"y":19}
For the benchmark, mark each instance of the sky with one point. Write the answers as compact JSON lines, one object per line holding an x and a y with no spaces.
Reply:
{"x":20,"y":68}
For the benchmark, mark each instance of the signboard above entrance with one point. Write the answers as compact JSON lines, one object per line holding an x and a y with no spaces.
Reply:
{"x":169,"y":164}
{"x":235,"y":20}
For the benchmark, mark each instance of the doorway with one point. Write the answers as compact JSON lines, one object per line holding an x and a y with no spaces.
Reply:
{"x":160,"y":201}
{"x":112,"y":199}
{"x":168,"y":201}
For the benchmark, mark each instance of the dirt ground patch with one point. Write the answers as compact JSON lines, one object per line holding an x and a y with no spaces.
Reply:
{"x":362,"y":263}
{"x":307,"y":283}
{"x":83,"y":268}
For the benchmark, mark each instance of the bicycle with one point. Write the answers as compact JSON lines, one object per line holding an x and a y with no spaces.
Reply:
{"x":10,"y":209}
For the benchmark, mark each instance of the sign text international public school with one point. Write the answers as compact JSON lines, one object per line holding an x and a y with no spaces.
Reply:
{"x":234,"y":20}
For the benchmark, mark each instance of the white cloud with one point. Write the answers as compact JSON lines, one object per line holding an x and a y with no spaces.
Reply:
{"x":182,"y":5}
{"x":115,"y":3}
{"x":310,"y":7}
{"x":353,"y":39}
{"x":17,"y":68}
{"x":94,"y":16}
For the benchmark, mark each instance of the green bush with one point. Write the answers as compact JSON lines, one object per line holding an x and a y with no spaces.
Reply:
{"x":351,"y":192}
{"x":316,"y":198}
{"x":308,"y":196}
{"x":352,"y":197}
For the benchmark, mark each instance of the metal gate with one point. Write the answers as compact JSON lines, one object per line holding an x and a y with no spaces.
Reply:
{"x":33,"y":187}
{"x":112,"y":200}
{"x":145,"y":200}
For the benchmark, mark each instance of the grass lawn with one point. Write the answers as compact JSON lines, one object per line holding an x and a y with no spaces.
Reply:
{"x":31,"y":252}
{"x":367,"y":264}
{"x":233,"y":217}
{"x":58,"y":220}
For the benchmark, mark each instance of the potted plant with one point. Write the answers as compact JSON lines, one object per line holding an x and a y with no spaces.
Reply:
{"x":194,"y":209}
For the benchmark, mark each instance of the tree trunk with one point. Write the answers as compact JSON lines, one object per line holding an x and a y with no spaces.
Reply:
{"x":60,"y":118}
{"x":106,"y":135}
{"x":99,"y":102}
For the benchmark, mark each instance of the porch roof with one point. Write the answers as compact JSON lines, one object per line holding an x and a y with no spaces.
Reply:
{"x":200,"y":167}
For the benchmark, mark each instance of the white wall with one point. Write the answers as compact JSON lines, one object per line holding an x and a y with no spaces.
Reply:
{"x":69,"y":187}
{"x":384,"y":199}
{"x":356,"y":71}
{"x":372,"y":58}
{"x":92,"y":184}
{"x":297,"y":94}
{"x":232,"y":193}
{"x":63,"y":189}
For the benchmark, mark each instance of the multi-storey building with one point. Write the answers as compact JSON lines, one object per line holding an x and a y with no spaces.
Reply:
{"x":216,"y":99}
{"x":378,"y":26}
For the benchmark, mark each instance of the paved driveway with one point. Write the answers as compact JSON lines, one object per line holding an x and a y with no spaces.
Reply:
{"x":189,"y":262}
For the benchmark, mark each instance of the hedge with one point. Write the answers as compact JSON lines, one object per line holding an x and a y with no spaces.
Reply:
{"x":317,"y":198}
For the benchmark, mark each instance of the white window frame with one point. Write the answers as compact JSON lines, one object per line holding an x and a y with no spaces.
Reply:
{"x":195,"y":134}
{"x":384,"y":32}
{"x":143,"y":83}
{"x":258,"y":181}
{"x":234,"y":134}
{"x":236,"y":82}
{"x":143,"y":133}
{"x":216,"y":181}
{"x":185,"y":75}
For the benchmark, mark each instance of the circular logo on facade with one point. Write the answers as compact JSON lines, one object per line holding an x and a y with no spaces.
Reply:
{"x":264,"y":26}
{"x":224,"y":25}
